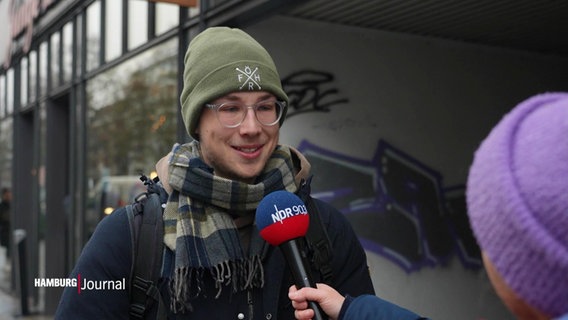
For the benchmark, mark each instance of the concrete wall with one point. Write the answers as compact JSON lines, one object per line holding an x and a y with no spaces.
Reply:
{"x":434,"y":100}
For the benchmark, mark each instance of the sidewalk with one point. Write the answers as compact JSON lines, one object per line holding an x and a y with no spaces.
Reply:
{"x":9,"y":309}
{"x":10,"y":306}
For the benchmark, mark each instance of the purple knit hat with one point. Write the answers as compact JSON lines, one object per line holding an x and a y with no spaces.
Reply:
{"x":517,"y":197}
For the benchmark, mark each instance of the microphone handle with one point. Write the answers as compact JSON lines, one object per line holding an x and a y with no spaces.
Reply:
{"x":302,"y":276}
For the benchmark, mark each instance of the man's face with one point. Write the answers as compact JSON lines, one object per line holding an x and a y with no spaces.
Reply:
{"x":237,"y":153}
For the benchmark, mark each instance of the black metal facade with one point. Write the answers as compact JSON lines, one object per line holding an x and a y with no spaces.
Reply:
{"x":47,"y":114}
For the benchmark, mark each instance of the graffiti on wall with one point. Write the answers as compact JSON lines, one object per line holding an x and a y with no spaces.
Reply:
{"x":311,"y":91}
{"x":397,"y":205}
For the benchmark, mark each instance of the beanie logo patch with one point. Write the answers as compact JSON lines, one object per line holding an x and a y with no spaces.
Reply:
{"x":248,"y":78}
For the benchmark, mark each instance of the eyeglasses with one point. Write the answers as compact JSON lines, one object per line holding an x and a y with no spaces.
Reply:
{"x":232,"y":114}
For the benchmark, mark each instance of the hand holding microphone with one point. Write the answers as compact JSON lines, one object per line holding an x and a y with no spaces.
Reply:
{"x":283,"y":219}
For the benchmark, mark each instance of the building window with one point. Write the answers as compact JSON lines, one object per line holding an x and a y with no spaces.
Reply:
{"x":79,"y":54}
{"x":10,"y":91}
{"x":137,"y":23}
{"x":6,"y":151}
{"x":167,"y":17}
{"x":67,"y":52}
{"x":2,"y":96}
{"x":32,"y":79}
{"x":93,"y":35}
{"x":113,"y":31}
{"x":55,"y":56}
{"x":131,"y":123}
{"x":43,"y":68}
{"x":24,"y":81}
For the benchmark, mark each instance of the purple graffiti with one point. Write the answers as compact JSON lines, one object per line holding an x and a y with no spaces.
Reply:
{"x":397,"y":206}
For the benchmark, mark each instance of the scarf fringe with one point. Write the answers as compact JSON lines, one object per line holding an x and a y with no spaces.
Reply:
{"x":187,"y":283}
{"x":200,"y":228}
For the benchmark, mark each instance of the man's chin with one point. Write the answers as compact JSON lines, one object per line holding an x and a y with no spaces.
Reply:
{"x":248,"y":175}
{"x":250,"y":179}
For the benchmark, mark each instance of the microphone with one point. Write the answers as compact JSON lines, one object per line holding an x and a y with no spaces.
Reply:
{"x":282,"y":218}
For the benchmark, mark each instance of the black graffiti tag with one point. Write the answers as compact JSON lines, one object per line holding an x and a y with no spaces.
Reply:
{"x":308,"y":92}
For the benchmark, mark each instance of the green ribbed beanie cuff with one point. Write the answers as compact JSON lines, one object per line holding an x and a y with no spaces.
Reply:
{"x":222,"y":60}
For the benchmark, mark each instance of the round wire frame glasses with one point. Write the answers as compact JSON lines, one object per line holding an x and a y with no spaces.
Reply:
{"x":232,"y":114}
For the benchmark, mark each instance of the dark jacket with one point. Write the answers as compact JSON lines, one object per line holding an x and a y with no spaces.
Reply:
{"x":369,"y":307}
{"x":107,"y":256}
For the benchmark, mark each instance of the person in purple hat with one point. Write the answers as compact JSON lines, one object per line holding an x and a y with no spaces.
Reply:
{"x":517,"y":197}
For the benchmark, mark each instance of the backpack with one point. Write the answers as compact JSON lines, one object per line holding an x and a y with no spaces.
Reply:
{"x":147,"y":232}
{"x":146,"y":237}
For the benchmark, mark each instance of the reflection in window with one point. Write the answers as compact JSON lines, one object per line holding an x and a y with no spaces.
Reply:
{"x":113,"y":31}
{"x":24,"y":81}
{"x":43,"y":65}
{"x":137,"y":23}
{"x":93,"y":35}
{"x":32,"y":80}
{"x":55,"y":68}
{"x":2,"y":96}
{"x":42,"y":142}
{"x":131,"y":123}
{"x":10,"y":91}
{"x":78,"y":44}
{"x":167,"y":17}
{"x":193,"y":11}
{"x":67,"y":51}
{"x":6,"y":152}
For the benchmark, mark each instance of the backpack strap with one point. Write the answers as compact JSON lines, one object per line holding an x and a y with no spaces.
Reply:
{"x":147,"y":232}
{"x":317,"y":239}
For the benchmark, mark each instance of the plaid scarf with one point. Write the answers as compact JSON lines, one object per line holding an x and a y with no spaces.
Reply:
{"x":199,"y":222}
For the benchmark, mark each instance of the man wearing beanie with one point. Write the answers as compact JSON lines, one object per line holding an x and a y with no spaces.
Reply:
{"x":216,"y":265}
{"x":517,"y":197}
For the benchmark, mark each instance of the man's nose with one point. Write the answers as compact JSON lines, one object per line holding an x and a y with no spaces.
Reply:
{"x":250,"y":123}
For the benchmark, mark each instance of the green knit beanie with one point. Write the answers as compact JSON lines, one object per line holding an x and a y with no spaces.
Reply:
{"x":222,"y":60}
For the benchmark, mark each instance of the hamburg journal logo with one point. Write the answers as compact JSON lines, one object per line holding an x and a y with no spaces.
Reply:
{"x":81,"y":284}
